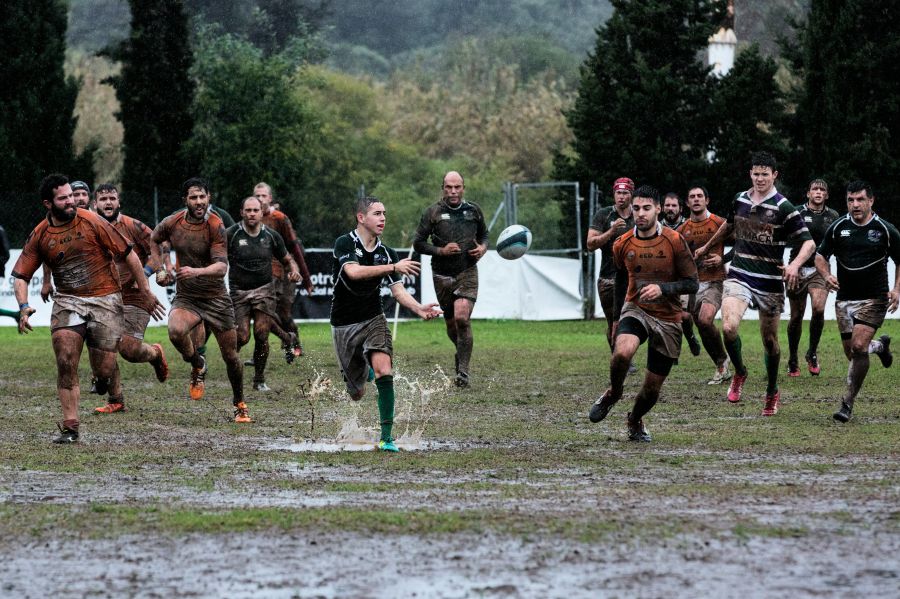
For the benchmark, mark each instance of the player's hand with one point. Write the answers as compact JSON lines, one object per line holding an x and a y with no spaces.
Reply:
{"x":620,"y":223}
{"x":294,"y":277}
{"x":451,"y":249}
{"x":478,"y":251}
{"x":429,"y":311}
{"x":46,"y":291}
{"x":650,"y":292}
{"x":893,"y":300}
{"x":186,"y":272}
{"x":700,"y":252}
{"x":711,"y":262}
{"x":791,"y":275}
{"x":24,"y":325}
{"x":832,"y":283}
{"x":164,"y":278}
{"x":307,"y":284}
{"x":407,"y":266}
{"x":155,"y":307}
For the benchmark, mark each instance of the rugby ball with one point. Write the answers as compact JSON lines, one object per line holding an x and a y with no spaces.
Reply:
{"x":513,"y":242}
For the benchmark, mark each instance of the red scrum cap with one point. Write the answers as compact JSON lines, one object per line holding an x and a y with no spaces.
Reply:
{"x":623,"y":183}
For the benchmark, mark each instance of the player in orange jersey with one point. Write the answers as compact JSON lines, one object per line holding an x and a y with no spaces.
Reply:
{"x":653,"y":268}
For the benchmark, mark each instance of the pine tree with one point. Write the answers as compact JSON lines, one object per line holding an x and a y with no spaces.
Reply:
{"x":846,"y":127}
{"x":155,"y":95}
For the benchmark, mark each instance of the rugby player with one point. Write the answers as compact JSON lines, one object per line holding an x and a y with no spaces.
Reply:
{"x":607,"y":225}
{"x":80,"y":248}
{"x":286,"y":288}
{"x":653,"y":268}
{"x":818,"y":217}
{"x":82,"y":193}
{"x":198,"y":237}
{"x":459,"y":238}
{"x":358,"y":326}
{"x":861,"y":243}
{"x":703,"y":306}
{"x":763,"y":222}
{"x":137,"y":313}
{"x":251,"y":248}
{"x":672,"y":216}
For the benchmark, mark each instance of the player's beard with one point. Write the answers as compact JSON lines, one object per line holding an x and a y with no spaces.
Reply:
{"x":112,"y":218}
{"x":62,"y":214}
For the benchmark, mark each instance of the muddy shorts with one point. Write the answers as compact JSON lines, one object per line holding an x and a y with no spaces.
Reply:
{"x":261,"y":299}
{"x":606,"y":289}
{"x":869,"y":312}
{"x":285,"y":293}
{"x":765,"y":302}
{"x":136,"y":321}
{"x":102,"y":316}
{"x":663,"y":336}
{"x":809,"y":279}
{"x":216,"y":312}
{"x":710,"y":292}
{"x":354,"y":342}
{"x":449,"y":289}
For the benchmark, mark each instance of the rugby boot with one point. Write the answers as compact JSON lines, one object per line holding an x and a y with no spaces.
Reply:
{"x":388,"y":446}
{"x":287,"y":349}
{"x":111,"y":407}
{"x":93,"y":388}
{"x":249,"y":362}
{"x":722,"y":374}
{"x":693,"y":345}
{"x":736,"y":387}
{"x":793,"y":368}
{"x":885,"y":355}
{"x":198,"y":381}
{"x":632,"y":369}
{"x":812,"y":362}
{"x":773,"y":402}
{"x":602,"y":406}
{"x":261,"y":386}
{"x":843,"y":415}
{"x":637,"y":431}
{"x":241,"y":413}
{"x":159,"y":363}
{"x":462,"y":380}
{"x":66,"y":435}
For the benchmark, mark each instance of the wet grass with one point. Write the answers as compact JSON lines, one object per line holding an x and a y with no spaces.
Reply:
{"x":517,"y":456}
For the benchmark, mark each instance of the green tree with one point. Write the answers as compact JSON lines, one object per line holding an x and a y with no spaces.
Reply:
{"x":641,"y":107}
{"x":155,"y":93}
{"x":846,"y":126}
{"x":36,"y":107}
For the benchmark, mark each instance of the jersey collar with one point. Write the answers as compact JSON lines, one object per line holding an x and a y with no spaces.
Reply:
{"x":357,"y":239}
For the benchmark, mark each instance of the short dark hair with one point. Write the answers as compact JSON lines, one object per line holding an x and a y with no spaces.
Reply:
{"x":860,"y":185}
{"x":49,"y":184}
{"x":701,"y":188}
{"x":763,"y":159}
{"x":244,"y":201}
{"x":672,"y":194}
{"x":363,"y":204}
{"x":646,"y":191}
{"x":193,"y":182}
{"x":820,"y":182}
{"x":105,"y":188}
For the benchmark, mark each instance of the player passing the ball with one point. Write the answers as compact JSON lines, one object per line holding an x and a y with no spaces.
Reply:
{"x":654,"y":267}
{"x":358,"y":326}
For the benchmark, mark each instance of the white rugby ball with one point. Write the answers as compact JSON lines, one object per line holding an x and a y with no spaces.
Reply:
{"x":513,"y":242}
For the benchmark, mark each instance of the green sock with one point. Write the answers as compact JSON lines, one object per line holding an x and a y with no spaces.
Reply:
{"x":11,"y":313}
{"x":202,"y":350}
{"x":737,"y":359}
{"x":772,"y":372}
{"x":385,"y":386}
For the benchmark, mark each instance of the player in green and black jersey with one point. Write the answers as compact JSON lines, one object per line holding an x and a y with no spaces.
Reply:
{"x":818,"y":217}
{"x":358,"y":326}
{"x":861,"y":243}
{"x":251,"y":248}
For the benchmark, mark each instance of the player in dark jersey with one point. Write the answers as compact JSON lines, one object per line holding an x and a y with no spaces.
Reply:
{"x":607,"y":225}
{"x":763,"y":222}
{"x":251,"y":247}
{"x":653,"y":268}
{"x":861,"y":243}
{"x":137,"y":313}
{"x":358,"y":326}
{"x":703,"y":306}
{"x":818,"y":217}
{"x":80,"y":248}
{"x":459,"y":238}
{"x":198,"y":237}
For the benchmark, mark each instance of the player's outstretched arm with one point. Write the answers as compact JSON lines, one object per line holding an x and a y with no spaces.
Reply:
{"x":425,"y":311}
{"x":718,"y":236}
{"x":20,"y":286}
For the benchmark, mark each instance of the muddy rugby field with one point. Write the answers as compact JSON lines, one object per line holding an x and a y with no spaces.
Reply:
{"x":505,"y":489}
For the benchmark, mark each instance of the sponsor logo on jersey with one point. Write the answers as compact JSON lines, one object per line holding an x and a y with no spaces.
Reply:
{"x":874,"y":235}
{"x":445,"y":216}
{"x":807,"y":219}
{"x":845,"y":233}
{"x":242,"y":242}
{"x":359,"y":252}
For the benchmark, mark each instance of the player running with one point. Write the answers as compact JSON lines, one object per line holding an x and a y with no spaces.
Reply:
{"x":137,"y":312}
{"x":861,"y":242}
{"x":818,"y":217}
{"x":459,"y":239}
{"x":80,"y":248}
{"x":764,"y":222}
{"x":655,"y":265}
{"x":251,"y":248}
{"x":703,"y":306}
{"x":358,"y":326}
{"x":198,"y":237}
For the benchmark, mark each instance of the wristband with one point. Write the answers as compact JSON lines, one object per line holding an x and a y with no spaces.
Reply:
{"x":148,"y":271}
{"x":393,"y":269}
{"x":23,"y":306}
